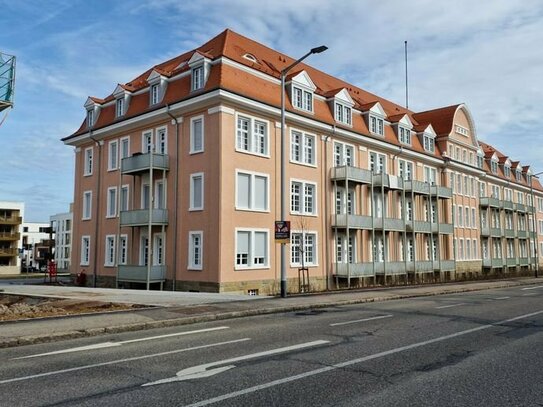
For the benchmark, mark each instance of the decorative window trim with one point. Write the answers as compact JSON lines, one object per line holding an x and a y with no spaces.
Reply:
{"x":302,"y":211}
{"x":376,"y":125}
{"x":304,"y":233}
{"x":121,"y":140}
{"x":191,"y":264}
{"x":110,"y":166}
{"x":85,"y":261}
{"x":120,"y":259}
{"x":251,"y":265}
{"x":344,"y":147}
{"x":144,"y":133}
{"x":107,"y":259}
{"x":304,"y":93}
{"x":158,"y":130}
{"x":303,"y":136}
{"x":192,"y":149}
{"x":120,"y":107}
{"x":343,"y":113}
{"x":252,"y":175}
{"x":191,"y":202}
{"x":83,"y":217}
{"x":251,"y":135}
{"x":88,"y":161}
{"x":405,"y":133}
{"x":111,"y":205}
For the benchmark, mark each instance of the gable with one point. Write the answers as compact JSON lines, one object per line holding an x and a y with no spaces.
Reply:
{"x":378,"y":110}
{"x":304,"y":80}
{"x":343,"y":96}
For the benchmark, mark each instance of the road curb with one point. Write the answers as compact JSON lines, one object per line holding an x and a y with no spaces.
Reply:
{"x":140,"y":326}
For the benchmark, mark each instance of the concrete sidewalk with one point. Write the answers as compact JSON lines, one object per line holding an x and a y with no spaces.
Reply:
{"x":199,"y":307}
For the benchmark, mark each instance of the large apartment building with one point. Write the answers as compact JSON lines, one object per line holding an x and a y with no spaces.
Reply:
{"x":177,"y":179}
{"x":11,"y":218}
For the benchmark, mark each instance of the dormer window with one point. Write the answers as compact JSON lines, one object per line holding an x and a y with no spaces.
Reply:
{"x":302,"y":99}
{"x":528,"y":178}
{"x":480,"y":161}
{"x":250,"y":57}
{"x":377,"y":125}
{"x":507,"y":171}
{"x":343,"y":113}
{"x":429,"y":143}
{"x":493,"y":166}
{"x":90,"y":118}
{"x":154,"y":93}
{"x":119,"y":105}
{"x":405,"y":135}
{"x":198,"y":78}
{"x":518,"y":175}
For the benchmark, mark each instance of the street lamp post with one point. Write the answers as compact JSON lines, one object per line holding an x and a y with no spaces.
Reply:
{"x":284,"y":73}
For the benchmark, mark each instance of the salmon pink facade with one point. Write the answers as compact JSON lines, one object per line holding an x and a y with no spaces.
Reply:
{"x":177,"y":183}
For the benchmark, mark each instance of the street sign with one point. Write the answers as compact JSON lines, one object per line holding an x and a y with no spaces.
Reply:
{"x":282,"y":231}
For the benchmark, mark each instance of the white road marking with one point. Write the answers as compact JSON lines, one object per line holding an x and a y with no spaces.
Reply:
{"x":113,"y":362}
{"x":450,"y":306}
{"x":200,"y":371}
{"x":501,"y":298}
{"x":113,"y":344}
{"x":524,"y":295}
{"x":361,"y":320}
{"x":352,"y":362}
{"x":533,"y":288}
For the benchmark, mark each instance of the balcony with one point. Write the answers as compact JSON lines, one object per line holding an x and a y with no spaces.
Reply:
{"x":508,"y":205}
{"x":142,"y":162}
{"x":138,"y":274}
{"x":523,"y":261}
{"x":387,"y":181}
{"x":389,"y":224}
{"x":417,"y":187}
{"x":140,"y":217}
{"x":354,"y":221}
{"x":357,"y":269}
{"x":492,"y":202}
{"x":485,"y":231}
{"x":8,"y":252}
{"x":425,"y":266}
{"x":419,"y":226}
{"x":511,"y":261}
{"x":447,"y":265}
{"x":509,"y":233}
{"x":442,"y":228}
{"x":354,"y":174}
{"x":441,"y":192}
{"x":493,"y":263}
{"x":520,"y":207}
{"x":9,"y":236}
{"x":522,"y":234}
{"x":495,"y":232}
{"x":11,"y":220}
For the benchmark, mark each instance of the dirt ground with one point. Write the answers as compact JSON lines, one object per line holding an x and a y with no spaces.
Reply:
{"x":15,"y":307}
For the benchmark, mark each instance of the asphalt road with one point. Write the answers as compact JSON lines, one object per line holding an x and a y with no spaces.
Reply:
{"x":474,"y":349}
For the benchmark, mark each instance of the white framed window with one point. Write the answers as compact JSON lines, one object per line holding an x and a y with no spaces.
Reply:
{"x":123,"y":249}
{"x":144,"y":250}
{"x":158,"y":249}
{"x":377,"y":125}
{"x":252,"y":191}
{"x":466,"y":217}
{"x":302,"y":148}
{"x":252,"y":135}
{"x":160,"y":195}
{"x":518,"y":175}
{"x":303,"y":247}
{"x":155,"y":91}
{"x":161,"y":146}
{"x":460,"y":212}
{"x":251,"y":249}
{"x":474,"y":247}
{"x":111,"y":211}
{"x":343,"y":113}
{"x":302,"y":99}
{"x":345,"y":201}
{"x":145,"y":196}
{"x":378,"y":163}
{"x":87,"y":205}
{"x":90,"y":118}
{"x":88,"y":161}
{"x":196,"y":192}
{"x":473,"y":220}
{"x":85,"y":250}
{"x":113,"y":155}
{"x":198,"y":78}
{"x":405,"y":170}
{"x":197,"y":134}
{"x":109,"y":254}
{"x":147,"y":141}
{"x":343,"y":154}
{"x":119,"y":107}
{"x":429,"y":143}
{"x":494,"y":166}
{"x":303,"y":197}
{"x":196,"y":250}
{"x":404,"y":135}
{"x":125,"y":147}
{"x":123,"y":201}
{"x":430,"y":175}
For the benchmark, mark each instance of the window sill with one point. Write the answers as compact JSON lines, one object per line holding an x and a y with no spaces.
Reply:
{"x":193,"y":268}
{"x":196,"y":209}
{"x":299,"y":265}
{"x":241,"y":268}
{"x":302,"y":163}
{"x":313,"y":215}
{"x":252,"y":210}
{"x":238,"y":150}
{"x":196,"y":152}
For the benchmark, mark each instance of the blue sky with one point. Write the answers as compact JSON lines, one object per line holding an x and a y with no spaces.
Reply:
{"x":484,"y":53}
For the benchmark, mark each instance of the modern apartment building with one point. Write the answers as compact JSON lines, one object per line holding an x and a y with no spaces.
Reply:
{"x":62,"y":229}
{"x":35,"y":245}
{"x":177,"y":179}
{"x":11,"y":218}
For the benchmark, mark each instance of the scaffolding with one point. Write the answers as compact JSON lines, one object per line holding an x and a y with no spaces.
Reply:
{"x":7,"y":81}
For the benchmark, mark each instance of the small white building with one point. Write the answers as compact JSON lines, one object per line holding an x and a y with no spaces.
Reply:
{"x":62,"y":229}
{"x":33,"y":234}
{"x":11,"y":218}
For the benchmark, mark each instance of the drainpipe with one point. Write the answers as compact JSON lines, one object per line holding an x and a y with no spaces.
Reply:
{"x":97,"y":211}
{"x":400,"y":151}
{"x":176,"y":176}
{"x":327,"y":210}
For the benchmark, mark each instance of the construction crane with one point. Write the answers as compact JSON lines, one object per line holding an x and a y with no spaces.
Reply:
{"x":7,"y":83}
